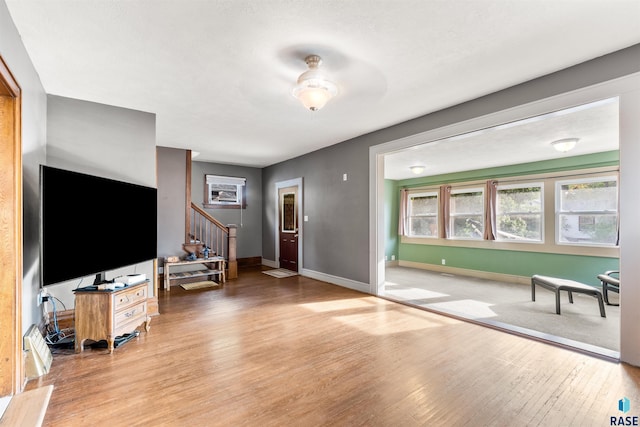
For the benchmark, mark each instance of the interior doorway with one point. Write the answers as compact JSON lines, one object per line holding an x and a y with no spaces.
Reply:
{"x":288,"y":224}
{"x":11,"y":231}
{"x":624,"y":88}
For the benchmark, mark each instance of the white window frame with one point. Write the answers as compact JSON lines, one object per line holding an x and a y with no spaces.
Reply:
{"x":558,"y":212}
{"x":452,"y":215}
{"x":410,"y":215}
{"x":542,"y":213}
{"x":211,"y":181}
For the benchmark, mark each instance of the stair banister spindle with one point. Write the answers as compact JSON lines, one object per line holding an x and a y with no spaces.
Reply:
{"x":217,"y":236}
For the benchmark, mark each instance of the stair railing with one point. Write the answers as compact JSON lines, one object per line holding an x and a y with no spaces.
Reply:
{"x":219,"y":238}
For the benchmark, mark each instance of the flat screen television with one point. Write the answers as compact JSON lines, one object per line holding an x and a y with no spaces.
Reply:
{"x":90,"y":225}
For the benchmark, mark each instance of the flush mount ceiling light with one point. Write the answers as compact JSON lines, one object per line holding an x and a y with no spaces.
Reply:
{"x":564,"y":145}
{"x":314,"y":89}
{"x":417,"y":169}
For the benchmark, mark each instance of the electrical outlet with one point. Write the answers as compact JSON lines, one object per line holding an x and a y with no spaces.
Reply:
{"x":444,"y":261}
{"x":393,"y":257}
{"x":41,"y":296}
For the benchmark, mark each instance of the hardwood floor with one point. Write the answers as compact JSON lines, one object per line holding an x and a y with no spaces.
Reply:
{"x":296,"y":351}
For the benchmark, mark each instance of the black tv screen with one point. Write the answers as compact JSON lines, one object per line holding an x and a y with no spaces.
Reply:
{"x":90,"y":225}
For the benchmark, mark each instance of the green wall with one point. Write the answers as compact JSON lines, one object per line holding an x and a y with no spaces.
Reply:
{"x":587,"y":161}
{"x":575,"y":267}
{"x":391,"y":217}
{"x":519,"y":263}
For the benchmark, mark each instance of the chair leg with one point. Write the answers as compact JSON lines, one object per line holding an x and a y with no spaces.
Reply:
{"x":605,"y":294}
{"x":533,"y":290}
{"x":570,"y":297}
{"x":557,"y":301}
{"x":601,"y":304}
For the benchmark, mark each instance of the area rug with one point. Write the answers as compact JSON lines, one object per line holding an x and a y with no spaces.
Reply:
{"x":199,"y":285}
{"x":280,"y":273}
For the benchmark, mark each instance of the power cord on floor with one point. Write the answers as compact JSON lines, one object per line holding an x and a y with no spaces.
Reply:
{"x":53,"y":331}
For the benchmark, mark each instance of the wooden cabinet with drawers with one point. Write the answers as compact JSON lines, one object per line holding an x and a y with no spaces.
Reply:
{"x":104,"y":314}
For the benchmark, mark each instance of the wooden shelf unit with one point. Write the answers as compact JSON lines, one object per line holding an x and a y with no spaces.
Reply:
{"x":215,"y":266}
{"x":104,"y":314}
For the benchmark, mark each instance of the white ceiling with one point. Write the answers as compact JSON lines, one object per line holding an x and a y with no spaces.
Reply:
{"x":596,"y":126}
{"x":218,"y":74}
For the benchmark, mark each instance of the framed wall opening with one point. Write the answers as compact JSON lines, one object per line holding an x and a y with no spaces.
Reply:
{"x":623,"y":88}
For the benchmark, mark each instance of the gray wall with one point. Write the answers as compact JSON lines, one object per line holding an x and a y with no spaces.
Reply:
{"x":106,"y":141}
{"x":336,"y":238}
{"x":250,"y":225}
{"x":172,"y":170}
{"x":102,"y":140}
{"x":34,"y":127}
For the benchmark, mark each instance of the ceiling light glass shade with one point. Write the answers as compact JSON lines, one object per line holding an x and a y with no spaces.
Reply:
{"x":564,"y":145}
{"x":314,"y":90}
{"x":417,"y":169}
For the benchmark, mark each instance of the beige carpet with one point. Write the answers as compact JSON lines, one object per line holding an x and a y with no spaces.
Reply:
{"x":199,"y":285}
{"x":498,"y":303}
{"x":280,"y":273}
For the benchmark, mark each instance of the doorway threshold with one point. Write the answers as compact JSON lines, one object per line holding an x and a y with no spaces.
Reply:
{"x":569,"y":344}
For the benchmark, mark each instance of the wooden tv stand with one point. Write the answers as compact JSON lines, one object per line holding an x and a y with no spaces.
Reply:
{"x":104,"y":315}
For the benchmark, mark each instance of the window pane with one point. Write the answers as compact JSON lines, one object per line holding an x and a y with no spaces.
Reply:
{"x":467,"y":226}
{"x":519,"y":227}
{"x":467,"y":216}
{"x":223,"y":193}
{"x":589,"y":196}
{"x":423,"y":215}
{"x":598,"y":229}
{"x":587,"y":212}
{"x":524,"y":199}
{"x":424,"y":226}
{"x":471,"y":202}
{"x":519,"y":213}
{"x":424,"y":205}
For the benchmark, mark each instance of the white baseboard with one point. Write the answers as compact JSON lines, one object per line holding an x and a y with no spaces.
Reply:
{"x":270,"y":263}
{"x":335,"y":280}
{"x":499,"y":277}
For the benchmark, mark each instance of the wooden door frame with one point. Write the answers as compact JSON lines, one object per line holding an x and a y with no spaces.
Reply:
{"x":295,"y":182}
{"x":11,"y":363}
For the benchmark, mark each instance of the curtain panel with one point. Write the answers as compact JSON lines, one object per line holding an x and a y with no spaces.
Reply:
{"x":444,"y":197}
{"x":402,"y":218}
{"x":490,"y":196}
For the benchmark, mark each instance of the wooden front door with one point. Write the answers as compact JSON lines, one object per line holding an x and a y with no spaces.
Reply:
{"x":288,"y":226}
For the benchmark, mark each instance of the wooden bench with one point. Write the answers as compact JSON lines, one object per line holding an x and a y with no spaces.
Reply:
{"x":556,"y":285}
{"x":214,"y":266}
